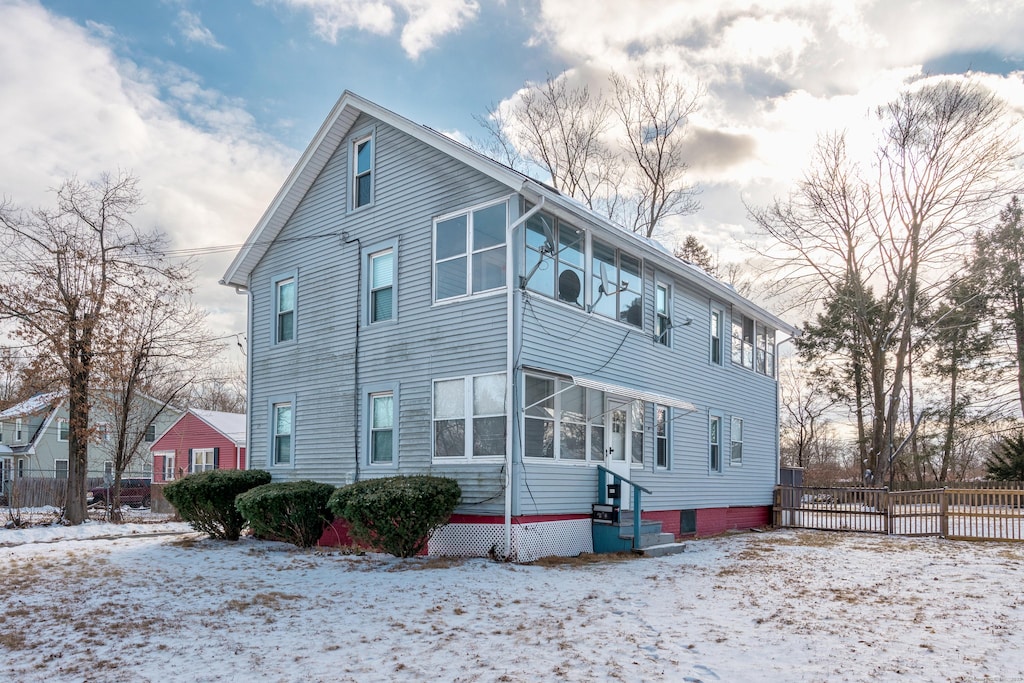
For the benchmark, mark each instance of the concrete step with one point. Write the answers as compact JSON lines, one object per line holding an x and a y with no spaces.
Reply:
{"x":662,"y":550}
{"x":649,"y":539}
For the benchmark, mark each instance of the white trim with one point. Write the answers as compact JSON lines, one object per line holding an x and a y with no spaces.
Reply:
{"x":367,"y":134}
{"x":637,"y":394}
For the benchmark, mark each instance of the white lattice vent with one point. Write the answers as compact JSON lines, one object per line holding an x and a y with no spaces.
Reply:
{"x":565,"y":538}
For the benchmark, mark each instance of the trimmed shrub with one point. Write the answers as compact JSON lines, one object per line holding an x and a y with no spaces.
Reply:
{"x":397,"y":514}
{"x":206,"y":500}
{"x":295,"y":512}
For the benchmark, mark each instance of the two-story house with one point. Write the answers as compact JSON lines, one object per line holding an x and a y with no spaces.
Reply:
{"x":415,"y":307}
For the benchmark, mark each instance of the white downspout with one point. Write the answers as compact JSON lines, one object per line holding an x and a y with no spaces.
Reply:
{"x":510,"y":291}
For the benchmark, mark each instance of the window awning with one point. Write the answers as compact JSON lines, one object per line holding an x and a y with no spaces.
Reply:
{"x":617,"y":390}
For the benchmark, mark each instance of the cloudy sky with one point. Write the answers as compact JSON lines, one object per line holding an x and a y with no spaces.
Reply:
{"x":210,"y":103}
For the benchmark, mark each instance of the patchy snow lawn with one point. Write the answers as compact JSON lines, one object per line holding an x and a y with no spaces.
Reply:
{"x":778,"y":606}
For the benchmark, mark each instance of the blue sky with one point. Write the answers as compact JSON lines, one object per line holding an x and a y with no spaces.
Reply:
{"x":211,"y":102}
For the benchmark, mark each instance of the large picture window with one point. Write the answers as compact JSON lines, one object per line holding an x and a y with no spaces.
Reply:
{"x":469,"y":252}
{"x":470,"y":417}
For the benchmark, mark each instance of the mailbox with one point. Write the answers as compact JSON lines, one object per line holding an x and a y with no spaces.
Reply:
{"x":614,"y":490}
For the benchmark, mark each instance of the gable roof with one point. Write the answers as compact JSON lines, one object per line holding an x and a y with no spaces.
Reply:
{"x":32,"y":406}
{"x":337,"y":126}
{"x":231,"y":425}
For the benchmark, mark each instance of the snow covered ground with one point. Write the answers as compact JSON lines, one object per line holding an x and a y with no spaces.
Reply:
{"x":79,"y":605}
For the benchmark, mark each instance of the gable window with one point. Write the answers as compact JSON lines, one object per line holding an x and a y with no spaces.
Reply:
{"x":555,"y":259}
{"x":60,"y":469}
{"x":382,"y":428}
{"x":662,"y":313}
{"x":616,"y":284}
{"x":716,"y":335}
{"x":62,"y":430}
{"x":470,"y":417}
{"x":150,"y":436}
{"x":284,"y":310}
{"x":362,"y":171}
{"x":282,"y":419}
{"x":203,"y":460}
{"x":381,"y":267}
{"x":715,"y":443}
{"x":736,"y":435}
{"x":661,"y":436}
{"x":469,"y":252}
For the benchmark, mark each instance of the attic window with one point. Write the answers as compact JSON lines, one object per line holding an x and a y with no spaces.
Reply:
{"x":362,"y":171}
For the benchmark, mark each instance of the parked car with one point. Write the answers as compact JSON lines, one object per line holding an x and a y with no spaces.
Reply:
{"x":134,"y":493}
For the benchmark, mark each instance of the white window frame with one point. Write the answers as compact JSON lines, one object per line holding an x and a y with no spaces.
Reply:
{"x":168,"y":466}
{"x":274,"y":404}
{"x":372,"y":393}
{"x":371,"y":253}
{"x":468,"y":417}
{"x":150,"y":435}
{"x":662,"y":435}
{"x":540,"y":260}
{"x":736,"y":441}
{"x":470,"y":252}
{"x":715,"y":444}
{"x":65,"y":426}
{"x":359,"y":138}
{"x":663,"y":330}
{"x":19,"y":430}
{"x":56,"y":468}
{"x":753,"y":345}
{"x":206,"y":466}
{"x":594,"y":275}
{"x":715,"y":333}
{"x":275,"y":288}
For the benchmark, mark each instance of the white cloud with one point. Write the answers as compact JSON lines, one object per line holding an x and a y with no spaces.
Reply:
{"x":206,"y":174}
{"x":193,"y":31}
{"x":425,"y":21}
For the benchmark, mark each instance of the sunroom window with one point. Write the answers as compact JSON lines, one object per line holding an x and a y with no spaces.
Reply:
{"x":616,"y":284}
{"x":555,"y":259}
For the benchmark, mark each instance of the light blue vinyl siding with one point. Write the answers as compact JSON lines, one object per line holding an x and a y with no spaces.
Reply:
{"x":413,"y":184}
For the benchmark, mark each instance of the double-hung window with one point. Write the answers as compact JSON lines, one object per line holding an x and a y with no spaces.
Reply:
{"x":284,"y":310}
{"x":469,"y":252}
{"x":555,"y":259}
{"x":382,"y":428}
{"x":736,"y":436}
{"x":60,"y":469}
{"x":19,"y":430}
{"x":616,"y":284}
{"x":662,"y":424}
{"x":470,"y":417}
{"x":203,"y":460}
{"x":381,"y":272}
{"x":715,"y":443}
{"x":662,"y":313}
{"x":716,"y":335}
{"x":282,"y":418}
{"x":362,"y":171}
{"x":150,"y":435}
{"x":62,"y":430}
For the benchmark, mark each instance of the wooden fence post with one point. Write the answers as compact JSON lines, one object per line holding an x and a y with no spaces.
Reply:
{"x":888,"y":510}
{"x":944,"y":512}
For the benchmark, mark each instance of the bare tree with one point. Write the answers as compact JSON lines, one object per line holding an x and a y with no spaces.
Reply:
{"x":654,"y":109}
{"x":155,"y":345}
{"x":805,"y":423}
{"x":71,"y":261}
{"x":623,"y":158}
{"x":943,"y":157}
{"x":222,"y":388}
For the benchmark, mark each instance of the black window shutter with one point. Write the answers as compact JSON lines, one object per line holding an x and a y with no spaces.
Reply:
{"x":191,"y":462}
{"x":216,"y":458}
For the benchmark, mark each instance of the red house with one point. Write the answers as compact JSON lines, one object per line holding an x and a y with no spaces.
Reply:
{"x":200,"y":440}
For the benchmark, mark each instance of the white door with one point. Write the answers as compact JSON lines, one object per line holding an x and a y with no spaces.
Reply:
{"x":617,"y":443}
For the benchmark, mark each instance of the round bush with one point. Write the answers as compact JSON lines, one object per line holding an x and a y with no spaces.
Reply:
{"x":397,"y":514}
{"x":292,"y":511}
{"x":206,"y":500}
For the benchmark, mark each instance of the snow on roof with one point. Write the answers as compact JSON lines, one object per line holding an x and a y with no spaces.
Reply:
{"x":231,"y":425}
{"x":31,"y":406}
